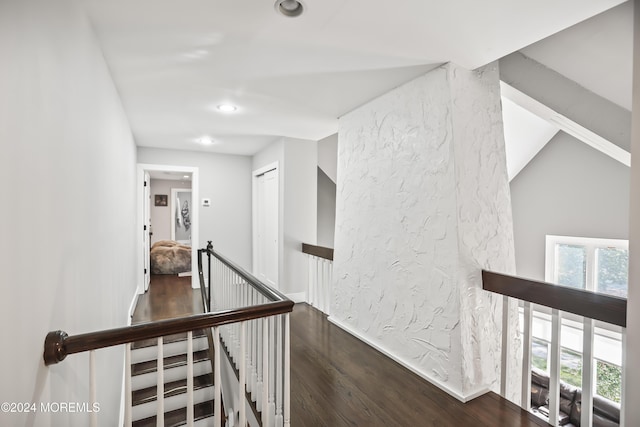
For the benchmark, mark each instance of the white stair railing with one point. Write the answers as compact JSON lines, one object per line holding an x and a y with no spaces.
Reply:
{"x":250,"y":320}
{"x":559,"y":302}
{"x":320,"y":270}
{"x":257,"y":348}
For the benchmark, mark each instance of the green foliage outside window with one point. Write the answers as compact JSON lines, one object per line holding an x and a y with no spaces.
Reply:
{"x":609,"y":380}
{"x":571,"y":367}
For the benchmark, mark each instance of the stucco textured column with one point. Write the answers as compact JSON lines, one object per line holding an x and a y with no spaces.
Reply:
{"x":422,"y":206}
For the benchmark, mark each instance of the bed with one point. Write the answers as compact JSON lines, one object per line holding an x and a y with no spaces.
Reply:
{"x":170,"y":257}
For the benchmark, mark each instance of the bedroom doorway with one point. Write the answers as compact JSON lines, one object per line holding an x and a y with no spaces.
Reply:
{"x":156,"y":215}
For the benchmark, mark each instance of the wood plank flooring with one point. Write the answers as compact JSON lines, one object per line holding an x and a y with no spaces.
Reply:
{"x":168,"y":296}
{"x":338,"y":380}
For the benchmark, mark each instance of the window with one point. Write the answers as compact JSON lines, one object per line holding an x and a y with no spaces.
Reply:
{"x":599,"y":265}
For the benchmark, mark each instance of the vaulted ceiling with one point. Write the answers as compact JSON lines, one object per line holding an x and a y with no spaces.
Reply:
{"x":174,"y":62}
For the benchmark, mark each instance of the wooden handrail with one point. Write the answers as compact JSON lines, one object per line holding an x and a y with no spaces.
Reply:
{"x":58,"y":344}
{"x":319,"y":251}
{"x":589,"y":304}
{"x":267,"y":291}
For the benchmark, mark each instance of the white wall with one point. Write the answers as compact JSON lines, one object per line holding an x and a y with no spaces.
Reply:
{"x":632,"y":372}
{"x":297,"y":162}
{"x":422,"y":205}
{"x":568,"y":189}
{"x":326,"y":210}
{"x":328,"y":156}
{"x":68,"y":261}
{"x":161,"y":215}
{"x":226,"y":180}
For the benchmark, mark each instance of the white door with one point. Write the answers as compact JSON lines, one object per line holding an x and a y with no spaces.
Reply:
{"x":146,"y":228}
{"x":267,"y":227}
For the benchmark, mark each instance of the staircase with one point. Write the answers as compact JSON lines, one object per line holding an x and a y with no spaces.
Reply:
{"x":144,"y":378}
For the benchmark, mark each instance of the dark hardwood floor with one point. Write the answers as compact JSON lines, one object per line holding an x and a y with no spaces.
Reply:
{"x":338,"y":380}
{"x":168,"y":296}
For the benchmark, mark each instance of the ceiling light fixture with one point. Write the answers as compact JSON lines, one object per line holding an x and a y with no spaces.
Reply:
{"x":227,"y":108}
{"x":289,"y":8}
{"x":206,"y":140}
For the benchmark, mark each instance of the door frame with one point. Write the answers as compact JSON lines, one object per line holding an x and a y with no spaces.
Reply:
{"x":142,"y":252}
{"x":254,"y":218}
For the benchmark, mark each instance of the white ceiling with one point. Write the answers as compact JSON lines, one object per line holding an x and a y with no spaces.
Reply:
{"x":174,"y":62}
{"x":597,"y":54}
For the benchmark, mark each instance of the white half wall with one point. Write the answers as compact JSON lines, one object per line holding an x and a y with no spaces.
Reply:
{"x":69,"y":219}
{"x":226,"y":180}
{"x":422,"y":205}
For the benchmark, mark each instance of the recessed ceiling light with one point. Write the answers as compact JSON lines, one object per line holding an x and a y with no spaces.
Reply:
{"x":206,"y":140}
{"x":289,"y":8}
{"x":185,"y":176}
{"x":227,"y":108}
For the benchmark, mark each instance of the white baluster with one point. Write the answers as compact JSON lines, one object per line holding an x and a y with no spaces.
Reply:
{"x":623,"y":391}
{"x":160,"y":386}
{"x":554,"y":371}
{"x":321,"y":279}
{"x":217,"y":381}
{"x":190,"y":415}
{"x":287,"y":373}
{"x":279,"y":375}
{"x":259,"y":363}
{"x":265,"y":371}
{"x":309,"y":278}
{"x":272,"y":370}
{"x":328,"y":288}
{"x":505,"y":346}
{"x":254,"y":350}
{"x":93,"y":417}
{"x":127,"y":386}
{"x":586,"y":417}
{"x":526,"y":357}
{"x":242,"y":380}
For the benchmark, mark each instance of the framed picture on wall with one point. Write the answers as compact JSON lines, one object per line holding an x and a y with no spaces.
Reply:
{"x":161,"y":200}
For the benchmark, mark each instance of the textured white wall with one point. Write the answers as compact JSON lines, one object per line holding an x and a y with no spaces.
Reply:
{"x":68,"y":261}
{"x":423,"y":204}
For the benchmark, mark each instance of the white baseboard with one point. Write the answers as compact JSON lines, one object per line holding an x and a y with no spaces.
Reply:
{"x":297,"y":297}
{"x":441,"y":385}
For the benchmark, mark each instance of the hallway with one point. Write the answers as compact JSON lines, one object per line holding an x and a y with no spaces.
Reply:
{"x":337,"y":380}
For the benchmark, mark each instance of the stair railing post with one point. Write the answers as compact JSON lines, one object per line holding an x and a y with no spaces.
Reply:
{"x":209,"y":249}
{"x":287,"y":372}
{"x":190,"y":415}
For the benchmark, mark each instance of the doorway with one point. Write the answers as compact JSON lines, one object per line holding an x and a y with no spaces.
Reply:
{"x":266,"y":220}
{"x":150,"y":202}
